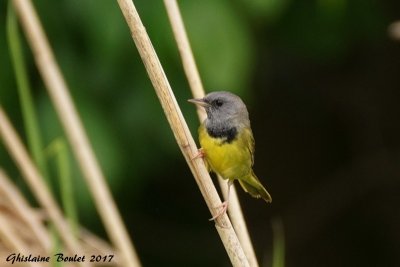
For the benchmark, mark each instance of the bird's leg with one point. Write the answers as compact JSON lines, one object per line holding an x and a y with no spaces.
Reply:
{"x":224,"y":205}
{"x":200,"y":154}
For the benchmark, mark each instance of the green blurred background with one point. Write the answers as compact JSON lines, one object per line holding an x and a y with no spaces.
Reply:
{"x":321,"y":82}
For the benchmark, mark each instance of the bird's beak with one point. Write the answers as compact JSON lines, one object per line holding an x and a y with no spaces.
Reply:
{"x":199,"y":101}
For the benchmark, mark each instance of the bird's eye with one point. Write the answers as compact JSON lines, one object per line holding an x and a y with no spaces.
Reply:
{"x":218,"y":103}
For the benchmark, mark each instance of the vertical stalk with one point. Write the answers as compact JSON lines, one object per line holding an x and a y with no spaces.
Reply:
{"x":278,"y":253}
{"x":24,"y":91}
{"x":58,"y":149}
{"x":39,"y":188}
{"x":193,"y":76}
{"x":76,"y":135}
{"x":29,"y":114}
{"x":181,"y":131}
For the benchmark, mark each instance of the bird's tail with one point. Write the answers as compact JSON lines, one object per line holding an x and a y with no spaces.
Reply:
{"x":253,"y":186}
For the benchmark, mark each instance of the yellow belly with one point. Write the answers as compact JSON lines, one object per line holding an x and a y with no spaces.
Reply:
{"x":229,"y":160}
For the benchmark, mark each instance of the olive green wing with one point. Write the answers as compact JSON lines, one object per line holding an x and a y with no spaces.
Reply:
{"x":202,"y":134}
{"x":249,"y":143}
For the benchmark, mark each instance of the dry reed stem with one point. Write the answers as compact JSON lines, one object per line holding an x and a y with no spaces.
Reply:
{"x":12,"y":239}
{"x":24,"y":212}
{"x":189,"y":64}
{"x":192,"y":74}
{"x":394,"y":30}
{"x":39,"y":189}
{"x":69,"y":118}
{"x":94,"y":243}
{"x":181,"y":131}
{"x":16,"y":234}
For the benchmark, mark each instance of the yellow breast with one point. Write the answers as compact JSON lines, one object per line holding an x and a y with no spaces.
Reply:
{"x":230,"y":160}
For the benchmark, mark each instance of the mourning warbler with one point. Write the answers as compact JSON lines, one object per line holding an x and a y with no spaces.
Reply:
{"x":227,"y":143}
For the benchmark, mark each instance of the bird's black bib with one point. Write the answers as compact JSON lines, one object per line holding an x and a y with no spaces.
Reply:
{"x":229,"y":134}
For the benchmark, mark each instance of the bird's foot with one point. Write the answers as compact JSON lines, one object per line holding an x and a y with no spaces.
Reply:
{"x":222,"y":210}
{"x":200,"y":154}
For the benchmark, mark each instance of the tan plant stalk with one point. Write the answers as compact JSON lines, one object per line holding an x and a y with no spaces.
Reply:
{"x":181,"y":131}
{"x":24,"y":211}
{"x":192,"y":74}
{"x":394,"y":30}
{"x":36,"y":183}
{"x":12,"y":239}
{"x":76,"y":135}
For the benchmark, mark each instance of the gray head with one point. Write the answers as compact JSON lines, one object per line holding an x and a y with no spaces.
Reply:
{"x":224,"y":109}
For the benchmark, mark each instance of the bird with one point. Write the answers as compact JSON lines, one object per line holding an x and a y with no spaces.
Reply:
{"x":227,"y":143}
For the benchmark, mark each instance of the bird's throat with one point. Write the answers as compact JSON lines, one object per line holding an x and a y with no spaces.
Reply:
{"x":227,"y":133}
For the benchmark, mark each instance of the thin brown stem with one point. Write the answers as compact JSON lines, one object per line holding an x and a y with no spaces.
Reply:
{"x":192,"y":74}
{"x":24,"y":211}
{"x":39,"y":188}
{"x":181,"y":131}
{"x":12,"y":239}
{"x":76,"y":135}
